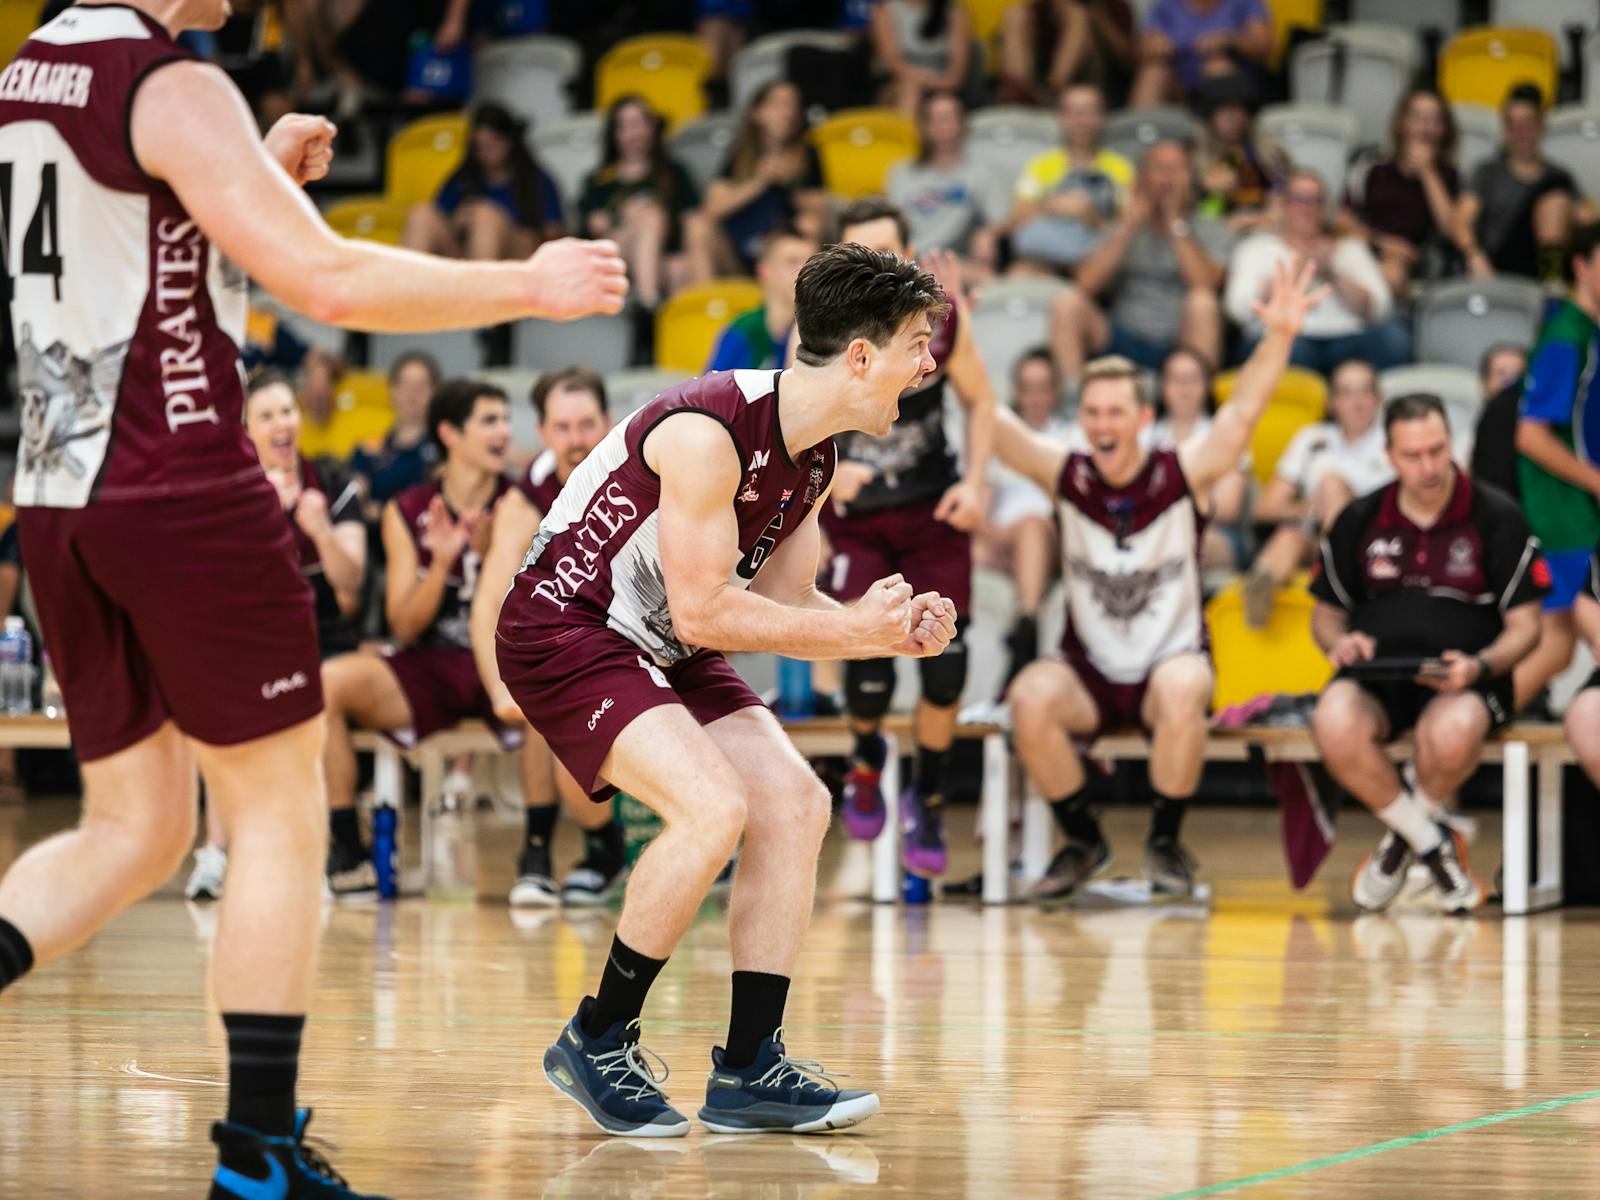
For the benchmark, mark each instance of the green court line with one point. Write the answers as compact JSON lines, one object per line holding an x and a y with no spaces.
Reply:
{"x":1400,"y":1143}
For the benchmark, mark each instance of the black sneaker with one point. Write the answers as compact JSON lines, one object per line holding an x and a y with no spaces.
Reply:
{"x":1169,"y":868}
{"x":535,"y":886}
{"x":593,"y":883}
{"x":350,"y":870}
{"x":1457,"y":889}
{"x":1073,"y":866}
{"x":283,"y":1168}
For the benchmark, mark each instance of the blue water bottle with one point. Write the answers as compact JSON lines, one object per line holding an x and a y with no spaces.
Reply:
{"x":794,"y":687}
{"x":383,"y":850}
{"x":914,"y":889}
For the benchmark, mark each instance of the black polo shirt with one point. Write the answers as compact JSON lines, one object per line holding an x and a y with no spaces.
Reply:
{"x":1425,"y":591}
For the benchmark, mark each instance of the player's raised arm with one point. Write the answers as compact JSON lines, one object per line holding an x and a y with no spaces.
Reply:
{"x":1283,"y":312}
{"x":963,"y":504}
{"x":187,"y":119}
{"x":1026,"y":451}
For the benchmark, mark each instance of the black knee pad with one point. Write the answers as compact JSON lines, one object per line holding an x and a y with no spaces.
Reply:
{"x":868,"y":687}
{"x":944,"y":675}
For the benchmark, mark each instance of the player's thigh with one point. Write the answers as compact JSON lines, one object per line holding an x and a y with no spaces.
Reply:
{"x":1180,"y":689}
{"x":1453,"y":726}
{"x":1347,"y":716}
{"x":147,"y":790}
{"x":1049,"y":690}
{"x":274,"y":781}
{"x":937,"y":557}
{"x":665,"y":759}
{"x":363,"y":688}
{"x":786,"y":792}
{"x":1582,"y":722}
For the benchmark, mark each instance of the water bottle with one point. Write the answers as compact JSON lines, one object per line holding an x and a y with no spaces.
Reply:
{"x":452,"y":847}
{"x":16,"y":669}
{"x":794,"y":687}
{"x":50,"y":690}
{"x":384,"y":819}
{"x":914,"y":889}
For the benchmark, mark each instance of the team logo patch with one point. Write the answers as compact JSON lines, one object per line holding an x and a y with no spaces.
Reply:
{"x":786,"y":501}
{"x":1540,"y":571}
{"x":1460,"y":562}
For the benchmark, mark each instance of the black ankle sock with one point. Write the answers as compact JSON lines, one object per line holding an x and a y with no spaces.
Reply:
{"x":1166,"y":817}
{"x":263,"y":1061}
{"x":869,"y":751}
{"x":1075,"y":820}
{"x":16,"y":956}
{"x":758,"y":1000}
{"x":604,"y":844}
{"x":932,"y":766}
{"x":542,"y":823}
{"x":345,"y":825}
{"x":623,"y":986}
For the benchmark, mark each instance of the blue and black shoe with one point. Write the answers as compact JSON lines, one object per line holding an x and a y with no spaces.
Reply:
{"x":275,"y":1168}
{"x":611,"y":1077}
{"x":779,"y":1094}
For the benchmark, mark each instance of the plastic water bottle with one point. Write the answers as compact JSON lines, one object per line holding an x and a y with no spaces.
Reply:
{"x":16,"y":669}
{"x":452,"y":846}
{"x":384,"y":819}
{"x":50,"y":690}
{"x":794,"y":688}
{"x":914,"y":889}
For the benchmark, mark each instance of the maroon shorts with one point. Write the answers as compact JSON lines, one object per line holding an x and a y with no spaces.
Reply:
{"x":1120,"y":705}
{"x":191,"y":609}
{"x":933,"y":556}
{"x":443,"y":688}
{"x":581,"y":689}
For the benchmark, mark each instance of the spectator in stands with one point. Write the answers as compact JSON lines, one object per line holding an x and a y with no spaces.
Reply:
{"x":250,"y":48}
{"x":1494,"y":440}
{"x":408,"y":454}
{"x":1067,"y":197}
{"x":498,"y":204}
{"x":321,"y":431}
{"x":923,"y":46}
{"x":1187,"y":42}
{"x":1239,"y":169}
{"x":1502,"y":365}
{"x":1354,"y":319}
{"x":1407,"y":202}
{"x":759,"y":338}
{"x":366,"y":45}
{"x":1514,"y":217}
{"x":1184,"y":408}
{"x":1158,"y":268}
{"x":1323,"y":467}
{"x":942,"y":191}
{"x":722,"y":26}
{"x":640,"y":197}
{"x":1045,"y":45}
{"x":1019,"y":536}
{"x":772,"y":178}
{"x":1583,"y":713}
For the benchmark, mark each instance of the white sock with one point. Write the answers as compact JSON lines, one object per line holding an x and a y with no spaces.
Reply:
{"x":1436,"y":808}
{"x":1408,"y":817}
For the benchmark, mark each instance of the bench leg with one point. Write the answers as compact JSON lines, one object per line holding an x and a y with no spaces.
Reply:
{"x":1516,"y":820}
{"x":430,"y":763}
{"x":1037,"y":827}
{"x":1547,"y":884}
{"x":996,"y":820}
{"x":886,"y":846}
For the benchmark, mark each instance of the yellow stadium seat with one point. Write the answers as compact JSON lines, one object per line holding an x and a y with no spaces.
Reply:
{"x":373,"y":218}
{"x":688,"y":324}
{"x":668,"y":70}
{"x":858,"y":146}
{"x":987,"y":16}
{"x":362,"y":389}
{"x":1479,"y":66}
{"x":18,"y":20}
{"x":423,"y":155}
{"x":361,"y":417}
{"x":1300,"y":399}
{"x":1280,"y":658}
{"x":1287,"y":15}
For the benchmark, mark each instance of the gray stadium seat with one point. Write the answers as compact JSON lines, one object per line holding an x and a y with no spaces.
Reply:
{"x":1011,"y":317}
{"x":602,"y":342}
{"x":457,"y":351}
{"x":702,"y":145}
{"x":569,"y":149}
{"x":1134,"y":130}
{"x":312,"y":333}
{"x":1459,"y":319}
{"x":1459,"y":388}
{"x":1003,"y":138}
{"x":1414,"y":15}
{"x":1317,"y":137}
{"x":764,"y":59}
{"x":1555,"y":17}
{"x":1572,"y":138}
{"x":528,"y":75}
{"x":1367,"y":69}
{"x":1479,"y":128}
{"x":632,"y":389}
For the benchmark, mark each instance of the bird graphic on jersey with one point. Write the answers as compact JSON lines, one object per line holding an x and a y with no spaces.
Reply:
{"x":651,"y":589}
{"x":65,"y":399}
{"x":1124,"y":595}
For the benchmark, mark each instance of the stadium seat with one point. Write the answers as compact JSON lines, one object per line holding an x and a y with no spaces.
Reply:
{"x":702,"y":145}
{"x":1009,"y":318}
{"x":668,"y":70}
{"x":422,"y":156}
{"x":1134,"y":130}
{"x":1002,"y":139}
{"x":1300,"y":399}
{"x":627,"y":391}
{"x":1365,"y":68}
{"x":1479,"y":128}
{"x":1317,"y":137}
{"x":362,"y":416}
{"x":1458,"y":319}
{"x":374,"y":218}
{"x":569,"y":149}
{"x":1288,"y":15}
{"x":766,"y":59}
{"x":1419,"y":16}
{"x":1572,"y":138}
{"x":1459,"y":388}
{"x":602,"y":342}
{"x":859,"y":145}
{"x":1482,"y":65}
{"x":687,"y":325}
{"x":457,"y":351}
{"x":1555,"y":17}
{"x":1281,"y":658}
{"x":18,"y":20}
{"x":528,"y":75}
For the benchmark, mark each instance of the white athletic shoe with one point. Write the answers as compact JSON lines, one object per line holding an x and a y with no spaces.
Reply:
{"x":1458,"y":889}
{"x":205,"y":881}
{"x":1382,"y":874}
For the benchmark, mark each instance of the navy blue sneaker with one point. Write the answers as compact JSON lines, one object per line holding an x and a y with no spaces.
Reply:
{"x":610,"y":1077}
{"x":285,"y":1167}
{"x":779,"y":1094}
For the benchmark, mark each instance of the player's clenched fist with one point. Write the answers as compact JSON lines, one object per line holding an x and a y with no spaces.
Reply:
{"x":933,"y":626}
{"x":573,"y":278}
{"x":882,"y":617}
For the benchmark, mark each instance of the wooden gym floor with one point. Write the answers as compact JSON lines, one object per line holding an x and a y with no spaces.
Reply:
{"x":1279,"y":1046}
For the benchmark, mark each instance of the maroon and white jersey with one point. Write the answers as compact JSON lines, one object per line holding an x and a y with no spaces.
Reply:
{"x":914,"y":460}
{"x":127,"y":321}
{"x":597,"y":558}
{"x":1131,"y":567}
{"x":539,"y":483}
{"x":452,"y":624}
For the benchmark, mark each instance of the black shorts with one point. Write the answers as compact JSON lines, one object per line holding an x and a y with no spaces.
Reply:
{"x":1402,"y":701}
